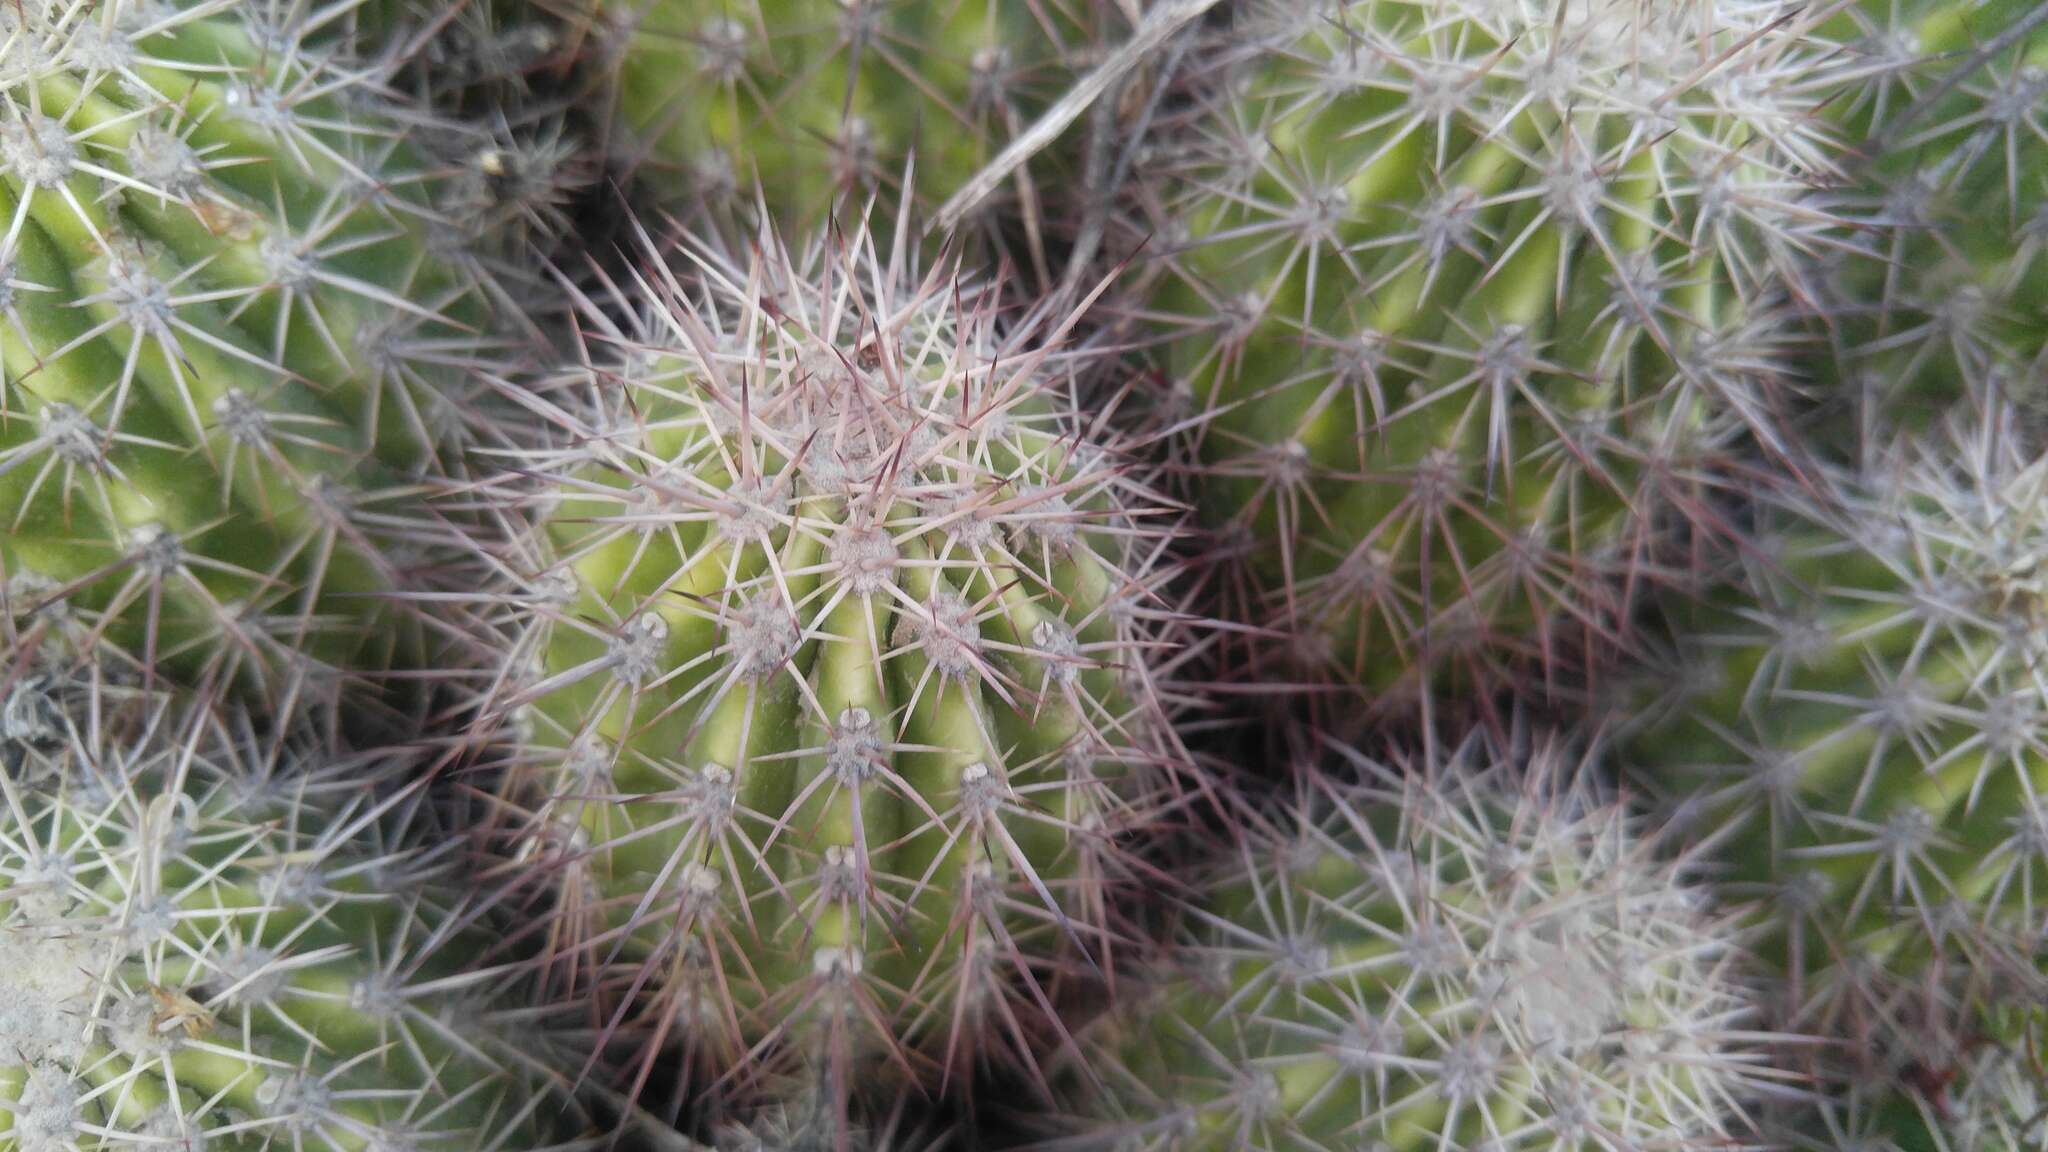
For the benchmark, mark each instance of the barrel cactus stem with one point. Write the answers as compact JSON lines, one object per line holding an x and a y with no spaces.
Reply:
{"x":1463,"y":308}
{"x":831,"y":662}
{"x":231,"y":352}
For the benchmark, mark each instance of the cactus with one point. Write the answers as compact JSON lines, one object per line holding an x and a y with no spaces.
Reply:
{"x":1460,"y":304}
{"x":233,"y":333}
{"x":1971,"y":1088}
{"x":1946,"y":106}
{"x":1858,"y":730}
{"x":202,"y":945}
{"x":831,"y":662}
{"x":1482,"y":953}
{"x":821,"y":98}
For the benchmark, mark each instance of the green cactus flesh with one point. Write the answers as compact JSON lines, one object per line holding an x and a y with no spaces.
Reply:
{"x":843,"y":634}
{"x":1859,"y":732}
{"x":1458,"y":298}
{"x":200,"y":948}
{"x":228,"y":336}
{"x":1476,"y":963}
{"x":820,"y":97}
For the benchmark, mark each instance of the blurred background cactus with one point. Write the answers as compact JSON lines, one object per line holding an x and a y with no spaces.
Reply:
{"x":1939,"y":296}
{"x":204,"y":944}
{"x":823,"y":103}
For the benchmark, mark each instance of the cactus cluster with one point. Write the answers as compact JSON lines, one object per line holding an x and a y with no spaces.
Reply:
{"x":831,"y":670}
{"x":1158,"y":575}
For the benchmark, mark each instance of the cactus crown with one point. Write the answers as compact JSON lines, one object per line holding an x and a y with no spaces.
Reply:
{"x":1492,"y":957}
{"x":843,"y":629}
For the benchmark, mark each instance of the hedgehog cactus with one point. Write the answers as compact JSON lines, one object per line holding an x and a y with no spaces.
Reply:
{"x":1861,"y":737}
{"x":1485,"y":955}
{"x":842,"y":624}
{"x":201,"y":947}
{"x":821,"y":97}
{"x":230,"y":332}
{"x":1947,"y":106}
{"x":1456,"y":299}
